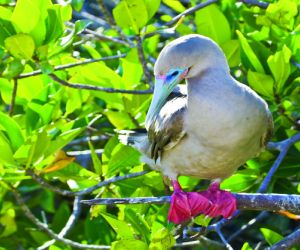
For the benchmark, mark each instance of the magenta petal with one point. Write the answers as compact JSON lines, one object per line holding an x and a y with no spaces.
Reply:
{"x":223,"y":202}
{"x":198,"y":203}
{"x":179,"y":208}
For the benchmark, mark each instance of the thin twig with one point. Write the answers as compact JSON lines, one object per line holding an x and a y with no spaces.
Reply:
{"x":270,"y":202}
{"x":190,"y":11}
{"x":97,"y":88}
{"x":259,"y":4}
{"x":288,"y":242}
{"x":69,"y":225}
{"x":202,"y":241}
{"x":250,"y":223}
{"x":283,"y":146}
{"x":47,"y":230}
{"x":112,"y":22}
{"x":143,"y":61}
{"x":71,"y":65}
{"x":85,"y":191}
{"x":105,"y":38}
{"x":227,"y":245}
{"x":13,"y":97}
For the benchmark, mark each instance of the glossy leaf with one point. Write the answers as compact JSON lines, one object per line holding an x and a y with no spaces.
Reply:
{"x":261,"y":83}
{"x":211,"y":22}
{"x":271,"y":236}
{"x":256,"y":64}
{"x":131,"y":14}
{"x":280,"y":67}
{"x":20,"y":46}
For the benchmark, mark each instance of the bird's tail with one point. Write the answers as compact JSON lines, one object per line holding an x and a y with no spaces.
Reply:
{"x":135,"y":138}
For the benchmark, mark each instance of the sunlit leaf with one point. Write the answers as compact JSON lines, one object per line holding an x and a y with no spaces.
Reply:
{"x":271,"y":236}
{"x":211,"y":22}
{"x":21,"y":46}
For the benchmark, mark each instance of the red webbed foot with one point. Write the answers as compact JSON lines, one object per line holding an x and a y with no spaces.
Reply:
{"x":213,"y":203}
{"x":185,"y":205}
{"x":223,"y":202}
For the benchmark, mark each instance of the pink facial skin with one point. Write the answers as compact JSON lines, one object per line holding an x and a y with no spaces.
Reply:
{"x":213,"y":202}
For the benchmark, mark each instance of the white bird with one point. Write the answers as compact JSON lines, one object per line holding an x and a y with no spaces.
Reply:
{"x":206,"y":132}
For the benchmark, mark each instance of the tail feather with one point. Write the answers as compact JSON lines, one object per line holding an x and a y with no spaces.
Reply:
{"x":136,"y":139}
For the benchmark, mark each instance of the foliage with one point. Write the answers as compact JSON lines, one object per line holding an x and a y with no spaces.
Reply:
{"x":44,"y":119}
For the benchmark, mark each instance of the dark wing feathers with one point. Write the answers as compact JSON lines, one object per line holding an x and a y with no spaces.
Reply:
{"x":167,"y":129}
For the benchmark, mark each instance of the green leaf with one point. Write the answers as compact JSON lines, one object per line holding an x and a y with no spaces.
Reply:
{"x":81,"y":25}
{"x":26,"y":15}
{"x":162,"y":240}
{"x":6,"y":156}
{"x":246,"y":246}
{"x":13,"y":131}
{"x":131,"y":14}
{"x":231,"y":48}
{"x":20,"y":46}
{"x":282,"y":13}
{"x":96,"y":161}
{"x":13,"y":69}
{"x":63,"y":139}
{"x":152,"y":7}
{"x":202,"y":220}
{"x":129,"y":245}
{"x":211,"y":22}
{"x":6,"y":27}
{"x":123,"y":230}
{"x":139,"y":223}
{"x":77,"y":4}
{"x":271,"y":236}
{"x":261,"y":83}
{"x":120,"y":119}
{"x":280,"y":67}
{"x":55,"y":26}
{"x":254,"y":61}
{"x":175,"y":5}
{"x":122,"y":157}
{"x":241,"y":181}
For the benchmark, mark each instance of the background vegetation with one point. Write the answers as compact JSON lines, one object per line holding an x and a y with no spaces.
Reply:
{"x":71,"y":72}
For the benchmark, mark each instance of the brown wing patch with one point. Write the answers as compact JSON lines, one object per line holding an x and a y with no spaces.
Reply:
{"x":167,"y":129}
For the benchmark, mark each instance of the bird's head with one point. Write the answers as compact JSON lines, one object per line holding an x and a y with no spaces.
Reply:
{"x":186,"y":57}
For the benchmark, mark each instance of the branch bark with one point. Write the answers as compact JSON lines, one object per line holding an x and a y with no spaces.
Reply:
{"x":269,"y":202}
{"x":47,"y":230}
{"x":89,"y":190}
{"x":97,"y":88}
{"x":71,"y":65}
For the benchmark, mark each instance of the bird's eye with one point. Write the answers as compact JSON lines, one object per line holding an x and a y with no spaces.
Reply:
{"x":175,"y":73}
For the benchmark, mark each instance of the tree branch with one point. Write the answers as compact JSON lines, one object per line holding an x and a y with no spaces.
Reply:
{"x":270,"y":202}
{"x":69,"y":225}
{"x":283,"y":147}
{"x":190,"y":11}
{"x":47,"y":230}
{"x":288,"y":242}
{"x":97,"y":88}
{"x":142,"y":59}
{"x":250,"y":223}
{"x":89,"y":190}
{"x":259,"y":4}
{"x":13,"y":97}
{"x":71,"y":65}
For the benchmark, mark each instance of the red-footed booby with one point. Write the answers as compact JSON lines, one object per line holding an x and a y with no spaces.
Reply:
{"x":207,"y":132}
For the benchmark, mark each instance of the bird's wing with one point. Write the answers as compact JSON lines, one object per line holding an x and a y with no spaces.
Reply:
{"x":167,"y":129}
